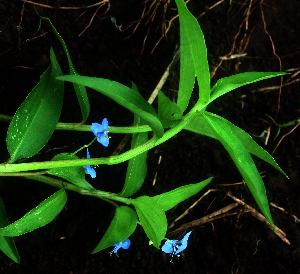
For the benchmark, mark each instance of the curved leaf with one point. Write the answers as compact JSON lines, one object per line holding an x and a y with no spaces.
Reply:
{"x":7,"y":244}
{"x":40,"y":216}
{"x":35,"y":120}
{"x":74,"y":174}
{"x":244,"y":163}
{"x":123,"y":95}
{"x":121,"y":227}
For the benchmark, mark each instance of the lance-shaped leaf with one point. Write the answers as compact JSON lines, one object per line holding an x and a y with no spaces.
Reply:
{"x":121,"y":227}
{"x":152,"y":218}
{"x":137,"y":166}
{"x":192,"y":33}
{"x":171,"y":198}
{"x":80,"y":91}
{"x":35,"y":120}
{"x":200,"y":126}
{"x":40,"y":216}
{"x":7,"y":244}
{"x":230,"y":83}
{"x":243,"y":162}
{"x":74,"y":174}
{"x":123,"y":95}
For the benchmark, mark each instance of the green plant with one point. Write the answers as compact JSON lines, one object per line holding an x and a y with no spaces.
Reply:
{"x":38,"y":116}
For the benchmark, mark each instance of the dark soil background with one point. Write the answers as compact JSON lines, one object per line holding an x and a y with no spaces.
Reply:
{"x":233,"y":244}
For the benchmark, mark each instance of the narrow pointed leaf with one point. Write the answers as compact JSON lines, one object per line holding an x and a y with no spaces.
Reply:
{"x":137,"y":166}
{"x":227,"y":84}
{"x":7,"y":244}
{"x":35,"y":120}
{"x":244,"y":163}
{"x":195,"y":38}
{"x":74,"y":174}
{"x":152,"y":218}
{"x":40,"y":216}
{"x":121,"y":227}
{"x":171,"y":198}
{"x":80,"y":90}
{"x":123,"y":95}
{"x":200,"y":126}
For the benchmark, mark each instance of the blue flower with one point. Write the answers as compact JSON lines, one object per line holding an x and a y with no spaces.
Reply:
{"x":174,"y":246}
{"x":88,"y":169}
{"x":100,"y":131}
{"x":125,"y":245}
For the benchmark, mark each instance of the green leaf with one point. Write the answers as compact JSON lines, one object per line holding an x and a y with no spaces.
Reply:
{"x":191,"y":31}
{"x":121,"y":227}
{"x":187,"y":71}
{"x":74,"y":174}
{"x":40,"y":216}
{"x":168,"y":112}
{"x":7,"y":244}
{"x":80,"y":90}
{"x":170,"y":199}
{"x":137,"y":166}
{"x":152,"y":218}
{"x":243,"y":162}
{"x":200,"y":126}
{"x":123,"y":95}
{"x":227,"y":84}
{"x":35,"y":120}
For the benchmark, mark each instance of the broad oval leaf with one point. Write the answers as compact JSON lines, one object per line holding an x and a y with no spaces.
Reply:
{"x":7,"y":244}
{"x":74,"y":174}
{"x":152,"y":218}
{"x":123,"y":95}
{"x":36,"y":119}
{"x":243,"y":161}
{"x":40,"y":216}
{"x":121,"y":227}
{"x":171,"y":198}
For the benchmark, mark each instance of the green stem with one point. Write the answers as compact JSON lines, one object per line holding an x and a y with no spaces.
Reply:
{"x":5,"y":168}
{"x":80,"y":127}
{"x":94,"y":193}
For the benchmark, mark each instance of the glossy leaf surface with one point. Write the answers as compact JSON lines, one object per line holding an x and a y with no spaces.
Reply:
{"x":40,"y":216}
{"x":35,"y":120}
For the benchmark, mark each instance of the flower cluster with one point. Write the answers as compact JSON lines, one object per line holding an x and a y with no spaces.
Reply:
{"x":89,"y":169}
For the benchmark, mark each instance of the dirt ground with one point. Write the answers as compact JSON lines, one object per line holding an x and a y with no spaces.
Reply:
{"x":249,"y":35}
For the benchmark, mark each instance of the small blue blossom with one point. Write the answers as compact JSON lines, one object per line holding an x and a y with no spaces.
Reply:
{"x":174,"y":246}
{"x":88,"y":169}
{"x":101,"y":131}
{"x":125,"y":245}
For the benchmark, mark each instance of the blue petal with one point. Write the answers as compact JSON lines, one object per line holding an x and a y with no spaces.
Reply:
{"x":90,"y":170}
{"x":126,"y":244}
{"x":183,"y":242}
{"x":97,"y":128}
{"x":105,"y":124}
{"x":101,"y":137}
{"x":87,"y":153}
{"x":168,"y":246}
